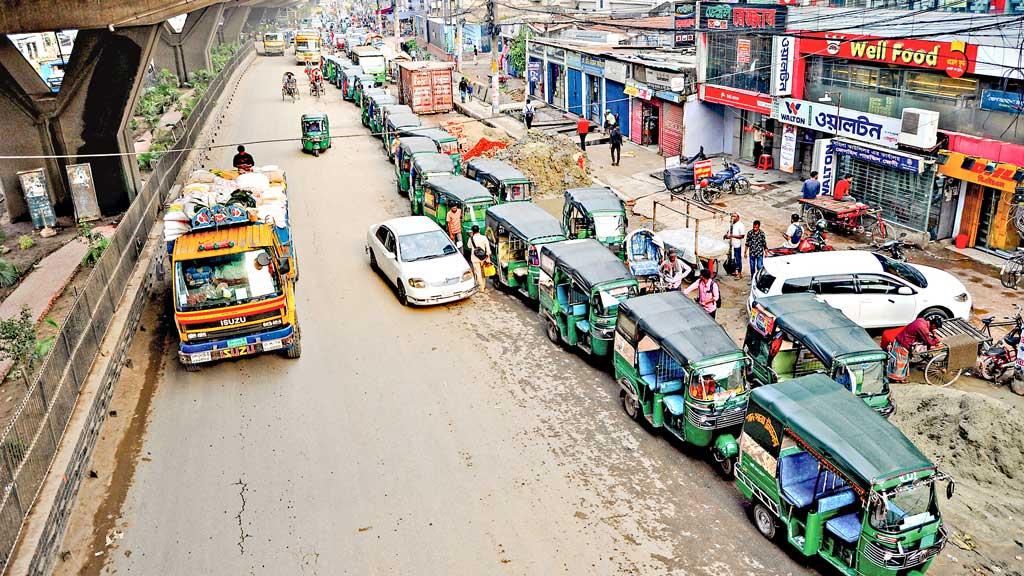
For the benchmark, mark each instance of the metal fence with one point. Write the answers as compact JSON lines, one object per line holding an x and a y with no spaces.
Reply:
{"x":29,"y":442}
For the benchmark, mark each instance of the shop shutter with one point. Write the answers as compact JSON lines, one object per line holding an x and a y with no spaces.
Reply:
{"x":671,"y":136}
{"x":617,"y":102}
{"x":575,"y":92}
{"x":635,"y":120}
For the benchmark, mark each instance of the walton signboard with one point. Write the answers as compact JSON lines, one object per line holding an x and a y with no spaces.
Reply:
{"x":953,"y":58}
{"x":853,"y":124}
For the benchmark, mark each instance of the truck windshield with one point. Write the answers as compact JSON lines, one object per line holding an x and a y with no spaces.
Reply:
{"x":219,"y":281}
{"x":905,"y":507}
{"x":719,"y":382}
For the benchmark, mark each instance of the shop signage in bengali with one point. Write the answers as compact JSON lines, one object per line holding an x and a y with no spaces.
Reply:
{"x":685,"y":23}
{"x":752,"y":101}
{"x":718,"y":16}
{"x":954,"y":58}
{"x":669,"y":96}
{"x":677,"y":84}
{"x":638,"y":90}
{"x":787,"y":155}
{"x":1002,"y":101}
{"x":784,"y":49}
{"x":556,"y":54}
{"x":1001,"y":177}
{"x":743,"y":51}
{"x":886,"y":158}
{"x":572,"y":59}
{"x":825,"y":164}
{"x":702,"y":169}
{"x":853,"y":124}
{"x":614,"y":70}
{"x":593,"y":65}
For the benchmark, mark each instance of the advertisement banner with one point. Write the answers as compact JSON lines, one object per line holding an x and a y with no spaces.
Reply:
{"x":685,"y":24}
{"x":904,"y":162}
{"x":977,"y":171}
{"x":954,"y":58}
{"x":701,"y":170}
{"x":742,"y":51}
{"x":720,"y":16}
{"x":1002,"y":101}
{"x":784,"y":53}
{"x":853,"y":124}
{"x":825,"y":164}
{"x":787,"y":156}
{"x":752,"y":101}
{"x":638,"y":90}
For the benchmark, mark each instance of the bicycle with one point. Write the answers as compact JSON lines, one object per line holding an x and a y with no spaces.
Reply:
{"x":876,"y":226}
{"x":936,"y":368}
{"x":1012,"y":272}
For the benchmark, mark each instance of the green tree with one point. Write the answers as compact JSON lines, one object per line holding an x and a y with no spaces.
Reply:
{"x":517,"y":52}
{"x":18,"y":342}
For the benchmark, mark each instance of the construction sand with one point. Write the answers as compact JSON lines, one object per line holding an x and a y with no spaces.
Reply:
{"x":979,"y":441}
{"x":551,"y":161}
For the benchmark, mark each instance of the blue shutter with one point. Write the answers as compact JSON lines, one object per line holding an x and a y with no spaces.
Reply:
{"x":617,"y":102}
{"x":575,"y":92}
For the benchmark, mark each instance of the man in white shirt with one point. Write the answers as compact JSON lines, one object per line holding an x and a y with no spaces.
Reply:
{"x":794,"y":232}
{"x":737,"y":232}
{"x":479,"y":254}
{"x":674,"y":270}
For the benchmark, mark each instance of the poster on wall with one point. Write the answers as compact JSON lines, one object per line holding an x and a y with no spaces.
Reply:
{"x":783,"y":59}
{"x":37,"y":196}
{"x":787,"y":156}
{"x":825,"y":164}
{"x":83,"y":192}
{"x":742,"y":51}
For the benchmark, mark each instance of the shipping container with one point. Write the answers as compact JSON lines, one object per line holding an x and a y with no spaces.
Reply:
{"x":426,"y":87}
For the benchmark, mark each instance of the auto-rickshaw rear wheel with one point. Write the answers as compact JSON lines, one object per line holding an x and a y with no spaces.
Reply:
{"x":764,"y":521}
{"x":629,"y":404}
{"x":552,"y":330}
{"x":726,"y":467}
{"x":316,"y":152}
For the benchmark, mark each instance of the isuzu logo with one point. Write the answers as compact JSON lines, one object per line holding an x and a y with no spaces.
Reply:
{"x":233,"y":321}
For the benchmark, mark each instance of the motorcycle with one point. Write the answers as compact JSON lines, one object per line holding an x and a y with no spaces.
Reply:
{"x":998,"y":363}
{"x":816,"y":241}
{"x":896,"y":248}
{"x":729,"y":179}
{"x":679,"y":179}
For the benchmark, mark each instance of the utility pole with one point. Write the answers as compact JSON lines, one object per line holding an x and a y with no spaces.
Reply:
{"x":396,"y":21}
{"x":380,"y":25}
{"x":492,"y":18}
{"x":457,"y":20}
{"x":526,"y":60}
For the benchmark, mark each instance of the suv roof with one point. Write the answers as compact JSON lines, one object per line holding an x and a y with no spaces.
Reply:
{"x":822,"y":263}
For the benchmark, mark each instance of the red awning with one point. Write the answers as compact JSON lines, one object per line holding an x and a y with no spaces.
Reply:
{"x":986,"y":148}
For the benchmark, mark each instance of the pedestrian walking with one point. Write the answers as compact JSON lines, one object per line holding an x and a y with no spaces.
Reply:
{"x":841,"y":191}
{"x":583,"y":128}
{"x":794,"y":232}
{"x":615,"y":139}
{"x":756,"y":245}
{"x":708,"y":295}
{"x":454,"y":222}
{"x":736,"y":234}
{"x":480,"y":254}
{"x":609,"y":120}
{"x":528,"y":111}
{"x":463,"y":88}
{"x":476,"y":52}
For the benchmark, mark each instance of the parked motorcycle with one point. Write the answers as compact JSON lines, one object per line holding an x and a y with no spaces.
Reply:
{"x":998,"y":363}
{"x":896,"y":248}
{"x":816,"y":241}
{"x":679,"y":179}
{"x":728,"y":180}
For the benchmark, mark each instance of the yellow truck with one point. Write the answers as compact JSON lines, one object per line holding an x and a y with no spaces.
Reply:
{"x":233,"y":274}
{"x":307,"y":47}
{"x":273,"y":44}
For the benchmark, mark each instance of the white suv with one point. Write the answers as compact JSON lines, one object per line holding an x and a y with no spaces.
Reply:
{"x":873,"y":290}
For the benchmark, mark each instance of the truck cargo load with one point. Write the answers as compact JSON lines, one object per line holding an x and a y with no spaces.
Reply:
{"x":426,"y":87}
{"x":233,"y":266}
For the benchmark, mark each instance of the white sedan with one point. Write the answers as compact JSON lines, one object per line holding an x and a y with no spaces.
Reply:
{"x":415,"y":255}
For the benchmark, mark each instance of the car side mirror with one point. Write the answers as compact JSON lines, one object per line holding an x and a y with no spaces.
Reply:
{"x":389,"y":255}
{"x":904,"y":291}
{"x":286,"y":265}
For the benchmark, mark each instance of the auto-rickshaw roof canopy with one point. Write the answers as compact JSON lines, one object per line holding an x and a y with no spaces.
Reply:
{"x":501,"y":171}
{"x":351,"y":71}
{"x":404,"y":120}
{"x":825,"y":330}
{"x":434,"y":133}
{"x":526,"y":220}
{"x":680,"y":325}
{"x":314,"y":116}
{"x":433,"y":162}
{"x":841,"y":428}
{"x":589,"y":262}
{"x":462,"y":188}
{"x":371,"y":92}
{"x":595,"y":199}
{"x":416,"y":145}
{"x":397,"y":109}
{"x":381,"y":98}
{"x":364,"y":77}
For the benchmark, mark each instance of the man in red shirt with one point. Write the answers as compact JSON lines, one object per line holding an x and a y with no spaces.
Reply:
{"x":842,"y":189}
{"x":920,"y":331}
{"x":583,"y":128}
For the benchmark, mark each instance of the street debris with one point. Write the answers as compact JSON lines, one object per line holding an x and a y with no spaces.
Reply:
{"x":551,"y":161}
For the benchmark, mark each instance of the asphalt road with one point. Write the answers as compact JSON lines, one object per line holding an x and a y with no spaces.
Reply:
{"x":452,"y":440}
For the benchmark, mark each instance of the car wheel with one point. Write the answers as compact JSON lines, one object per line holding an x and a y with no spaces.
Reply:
{"x":764,"y":521}
{"x":403,"y":299}
{"x":935,"y":312}
{"x":373,"y":262}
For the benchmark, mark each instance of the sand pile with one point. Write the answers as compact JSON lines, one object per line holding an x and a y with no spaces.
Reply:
{"x":980,"y":442}
{"x":551,"y":161}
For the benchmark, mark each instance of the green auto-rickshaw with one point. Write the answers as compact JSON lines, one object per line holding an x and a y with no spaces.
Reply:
{"x":408,"y":149}
{"x":581,"y":284}
{"x":840,"y":481}
{"x":394,"y":124}
{"x":339,"y":76}
{"x":366,"y":103}
{"x":446,"y":143}
{"x":316,"y":133}
{"x":391,"y":109}
{"x":349,"y":79}
{"x":516,"y":232}
{"x":792,"y":335}
{"x":595,"y":213}
{"x":330,"y":67}
{"x":424,"y":167}
{"x":372,"y":108}
{"x":442,"y":192}
{"x":506,"y":182}
{"x":679,"y":370}
{"x":364,"y":82}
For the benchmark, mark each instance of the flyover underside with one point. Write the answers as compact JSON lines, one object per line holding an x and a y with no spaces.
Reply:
{"x":189,"y":50}
{"x":88,"y":116}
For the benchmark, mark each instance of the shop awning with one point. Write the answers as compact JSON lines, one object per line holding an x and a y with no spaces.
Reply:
{"x":983,"y":171}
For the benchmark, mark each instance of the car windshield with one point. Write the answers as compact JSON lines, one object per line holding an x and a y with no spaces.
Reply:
{"x":424,"y":246}
{"x":719,"y":383}
{"x":219,"y":281}
{"x":869,"y":377}
{"x":905,"y":507}
{"x":607,"y":225}
{"x":903,"y":270}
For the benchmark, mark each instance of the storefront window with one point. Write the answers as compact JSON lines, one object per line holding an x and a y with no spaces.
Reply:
{"x":905,"y":198}
{"x":740,"y":61}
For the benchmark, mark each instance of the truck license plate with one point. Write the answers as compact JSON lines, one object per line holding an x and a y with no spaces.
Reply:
{"x":236,"y":342}
{"x":272,"y":345}
{"x":200,"y":357}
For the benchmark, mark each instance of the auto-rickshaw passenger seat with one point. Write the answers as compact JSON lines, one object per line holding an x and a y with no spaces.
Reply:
{"x":784,"y":362}
{"x":561,"y":292}
{"x":836,"y":500}
{"x":579,"y":310}
{"x":846,"y":527}
{"x":675,"y":404}
{"x":798,"y":478}
{"x":583,"y":326}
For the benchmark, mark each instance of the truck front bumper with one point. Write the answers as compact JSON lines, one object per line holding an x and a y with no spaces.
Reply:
{"x":236,"y":347}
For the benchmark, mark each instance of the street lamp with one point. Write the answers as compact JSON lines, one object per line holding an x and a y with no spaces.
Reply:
{"x":827,"y":99}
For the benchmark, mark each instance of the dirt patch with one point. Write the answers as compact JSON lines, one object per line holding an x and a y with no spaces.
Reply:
{"x":25,"y":259}
{"x":95,"y":525}
{"x":552,"y":162}
{"x":980,"y":442}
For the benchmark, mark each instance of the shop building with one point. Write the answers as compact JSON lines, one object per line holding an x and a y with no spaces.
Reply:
{"x":659,"y":92}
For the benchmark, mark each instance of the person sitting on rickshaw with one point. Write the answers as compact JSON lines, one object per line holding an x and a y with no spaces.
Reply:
{"x":919,"y":332}
{"x":289,"y":83}
{"x":316,"y":79}
{"x":674,"y":270}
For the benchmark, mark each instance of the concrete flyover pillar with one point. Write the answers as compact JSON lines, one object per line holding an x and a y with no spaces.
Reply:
{"x":189,"y":50}
{"x":234,"y":20}
{"x":90,"y":115}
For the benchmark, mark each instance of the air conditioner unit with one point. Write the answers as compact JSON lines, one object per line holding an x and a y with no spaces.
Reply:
{"x":920,"y":128}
